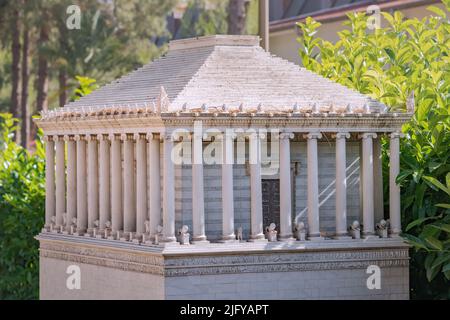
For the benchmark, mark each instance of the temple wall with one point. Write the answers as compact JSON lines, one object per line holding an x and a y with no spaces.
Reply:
{"x":314,"y":270}
{"x":97,"y":282}
{"x":327,"y":284}
{"x":213,"y":190}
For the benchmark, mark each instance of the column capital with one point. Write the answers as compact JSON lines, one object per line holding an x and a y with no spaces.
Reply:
{"x":226,"y":135}
{"x":396,"y":135}
{"x":123,"y":136}
{"x":91,"y":137}
{"x":113,"y":137}
{"x":366,"y":135}
{"x":139,"y":136}
{"x":255,"y":135}
{"x":313,"y":135}
{"x":286,"y":135}
{"x":78,"y":137}
{"x":150,"y":136}
{"x":166,"y":136}
{"x":47,"y":138}
{"x":341,"y":135}
{"x":68,"y":138}
{"x":101,"y":137}
{"x":58,"y":138}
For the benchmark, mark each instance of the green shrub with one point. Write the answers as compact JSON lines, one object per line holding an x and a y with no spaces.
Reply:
{"x":22,"y":194}
{"x":407,"y":58}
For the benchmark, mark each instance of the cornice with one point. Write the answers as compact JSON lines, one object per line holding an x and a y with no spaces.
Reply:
{"x":189,"y":261}
{"x":388,"y":122}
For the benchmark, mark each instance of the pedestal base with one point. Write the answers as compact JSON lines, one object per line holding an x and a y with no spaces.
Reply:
{"x":299,"y":270}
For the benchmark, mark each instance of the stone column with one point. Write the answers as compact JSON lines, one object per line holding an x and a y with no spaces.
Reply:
{"x":367,"y":185}
{"x":60,"y":180}
{"x":104,"y":163}
{"x":141,"y":182}
{"x":198,"y":201}
{"x":81,"y":186}
{"x":71,"y":180}
{"x":285,"y":187}
{"x":256,"y":215}
{"x":50,"y":210}
{"x":129,"y":199}
{"x":341,"y":186}
{"x":378,"y":180}
{"x":155,"y":184}
{"x":227,"y":188}
{"x":168,"y":191}
{"x":92,"y":182}
{"x":313,"y":186}
{"x":116,"y":184}
{"x":394,"y":189}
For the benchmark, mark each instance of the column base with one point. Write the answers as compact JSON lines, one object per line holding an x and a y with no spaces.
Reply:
{"x":80,"y":233}
{"x":199,"y":242}
{"x":315,"y":238}
{"x":395,"y":235}
{"x":370,"y":236}
{"x":168,"y":240}
{"x":286,"y":238}
{"x":230,"y":241}
{"x":170,"y":244}
{"x":258,"y":238}
{"x":342,"y":238}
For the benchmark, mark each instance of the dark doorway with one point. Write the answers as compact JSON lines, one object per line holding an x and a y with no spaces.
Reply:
{"x":271,"y":202}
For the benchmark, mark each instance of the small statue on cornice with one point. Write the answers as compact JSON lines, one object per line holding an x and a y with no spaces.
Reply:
{"x":184,"y":235}
{"x":271,"y":233}
{"x":300,"y":231}
{"x":239,"y":235}
{"x":355,"y":230}
{"x":382,"y":228}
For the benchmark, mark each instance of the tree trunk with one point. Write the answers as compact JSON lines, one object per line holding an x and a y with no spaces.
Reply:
{"x":237,"y":13}
{"x":62,"y":77}
{"x":42,"y":81}
{"x":42,"y":77}
{"x":25,"y":115}
{"x":14,"y":108}
{"x":62,"y":86}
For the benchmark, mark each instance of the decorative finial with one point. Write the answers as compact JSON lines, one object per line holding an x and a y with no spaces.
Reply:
{"x":315,"y":108}
{"x":259,"y":108}
{"x":241,"y":107}
{"x":204,"y":108}
{"x":184,"y":107}
{"x":296,"y":109}
{"x":366,"y":108}
{"x":332,"y":108}
{"x":349,"y":109}
{"x":162,"y":103}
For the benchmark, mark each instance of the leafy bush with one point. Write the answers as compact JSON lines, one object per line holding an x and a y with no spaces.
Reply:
{"x":407,"y":58}
{"x":22,"y":194}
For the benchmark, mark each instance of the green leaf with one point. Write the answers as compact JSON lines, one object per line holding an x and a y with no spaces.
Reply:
{"x":437,"y":183}
{"x":418,"y":222}
{"x":437,"y":11}
{"x":434,"y":243}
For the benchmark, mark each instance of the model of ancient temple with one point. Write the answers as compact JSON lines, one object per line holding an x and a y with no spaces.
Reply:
{"x":220,"y":171}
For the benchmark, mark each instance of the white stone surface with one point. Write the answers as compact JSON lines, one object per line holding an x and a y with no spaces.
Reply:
{"x":230,"y":70}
